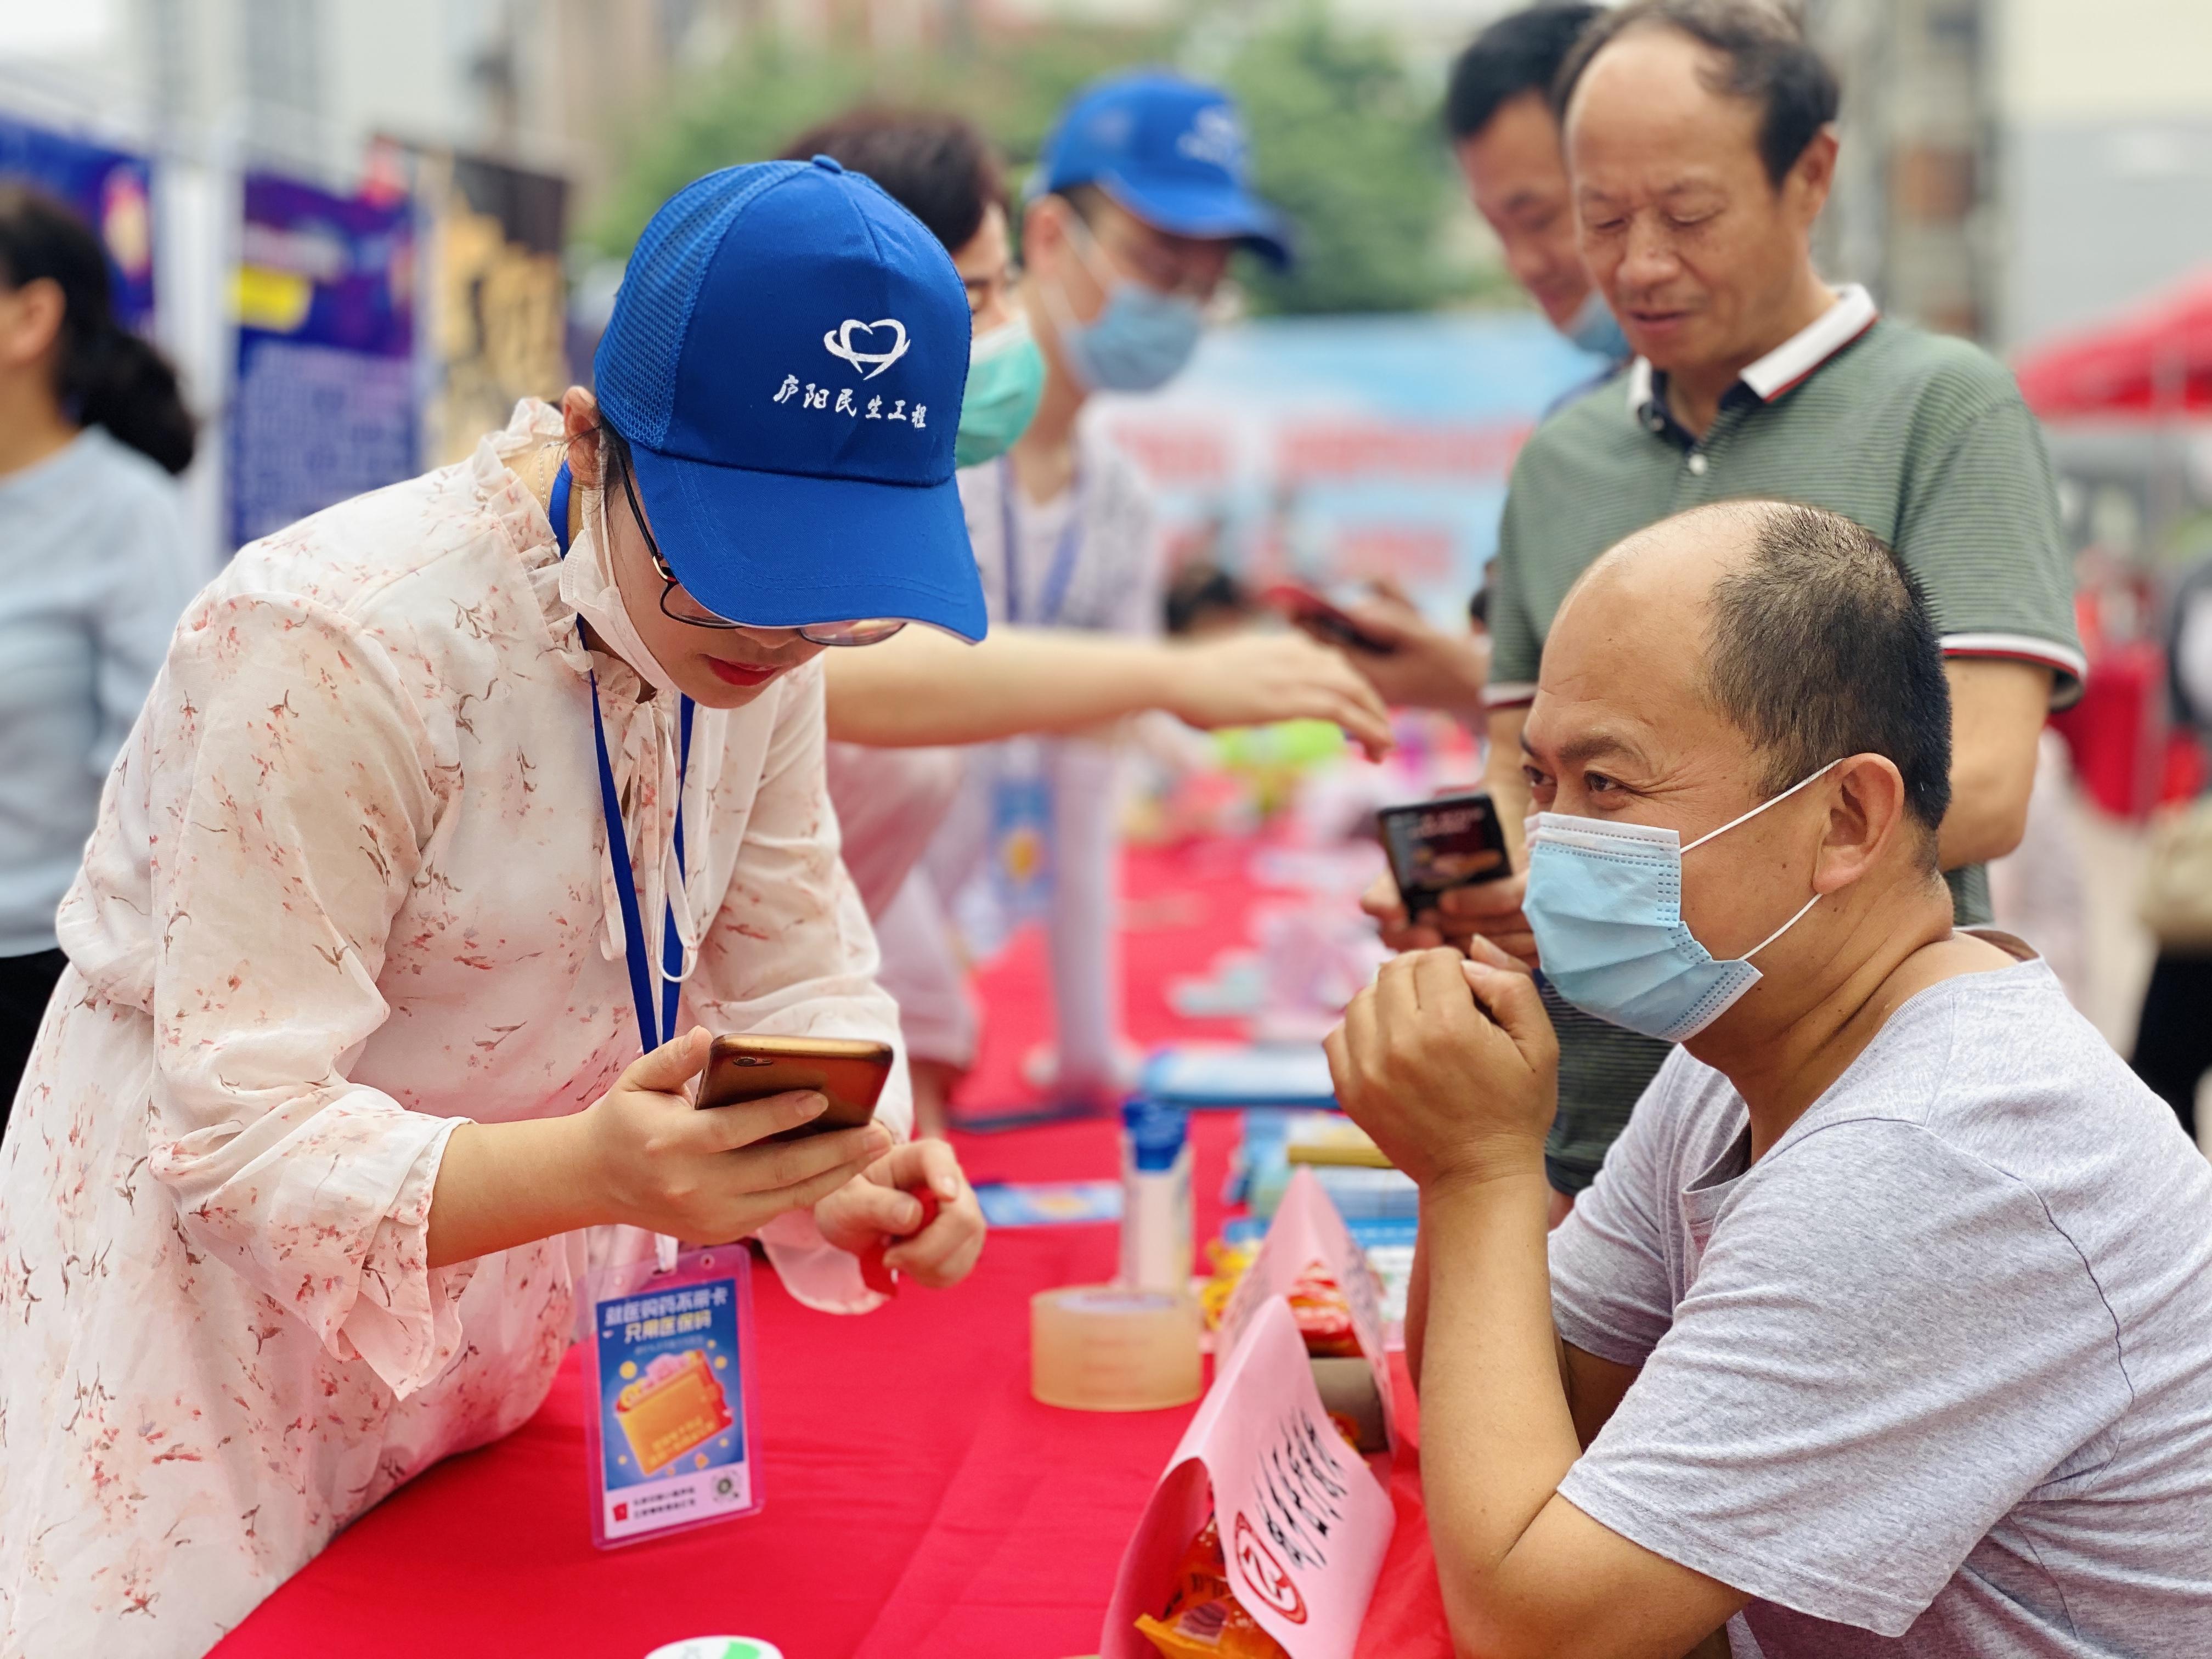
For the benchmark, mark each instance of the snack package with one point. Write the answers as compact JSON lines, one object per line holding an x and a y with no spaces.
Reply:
{"x":1216,"y":1628}
{"x":1263,"y":1539}
{"x":670,"y":1444}
{"x":1204,"y":1619}
{"x":1310,"y":1259}
{"x":1230,"y":1262}
{"x":1324,"y":1314}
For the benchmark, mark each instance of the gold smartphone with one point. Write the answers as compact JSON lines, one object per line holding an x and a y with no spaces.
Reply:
{"x":849,"y":1071}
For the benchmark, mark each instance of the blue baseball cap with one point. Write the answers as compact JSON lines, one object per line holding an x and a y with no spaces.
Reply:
{"x":1169,"y":150}
{"x":786,"y":357}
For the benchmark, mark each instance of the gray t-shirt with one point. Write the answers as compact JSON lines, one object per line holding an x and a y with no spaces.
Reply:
{"x":1934,"y":1376}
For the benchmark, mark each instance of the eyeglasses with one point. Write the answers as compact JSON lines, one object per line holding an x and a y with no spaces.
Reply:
{"x":1188,"y":267}
{"x":678,"y":606}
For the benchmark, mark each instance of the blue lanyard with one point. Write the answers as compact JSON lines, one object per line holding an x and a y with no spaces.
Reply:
{"x":671,"y":946}
{"x":1062,"y":572}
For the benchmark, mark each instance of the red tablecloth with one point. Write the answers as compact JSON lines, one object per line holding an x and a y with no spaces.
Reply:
{"x":918,"y":1500}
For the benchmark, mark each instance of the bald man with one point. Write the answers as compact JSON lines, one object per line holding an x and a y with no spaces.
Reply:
{"x":1888,"y":1323}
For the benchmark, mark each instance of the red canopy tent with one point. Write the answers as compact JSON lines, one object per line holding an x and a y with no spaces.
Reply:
{"x":2155,"y":362}
{"x":2153,"y":365}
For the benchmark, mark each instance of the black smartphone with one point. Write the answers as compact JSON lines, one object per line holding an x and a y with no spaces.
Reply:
{"x":1318,"y":615}
{"x":1434,"y":845}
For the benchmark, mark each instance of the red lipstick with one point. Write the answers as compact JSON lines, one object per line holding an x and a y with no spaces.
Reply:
{"x":739,"y":673}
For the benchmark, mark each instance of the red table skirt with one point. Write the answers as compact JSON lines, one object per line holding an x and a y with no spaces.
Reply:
{"x":918,"y":1501}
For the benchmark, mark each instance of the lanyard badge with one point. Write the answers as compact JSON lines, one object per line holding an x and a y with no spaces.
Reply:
{"x":669,"y":1428}
{"x":1059,"y":578}
{"x":651,"y":1032}
{"x":669,"y":1421}
{"x":1021,"y":832}
{"x":1021,"y":785}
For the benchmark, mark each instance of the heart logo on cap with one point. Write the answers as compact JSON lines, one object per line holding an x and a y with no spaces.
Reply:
{"x":838,"y":342}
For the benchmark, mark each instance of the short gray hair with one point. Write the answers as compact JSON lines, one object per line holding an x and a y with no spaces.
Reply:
{"x":1821,"y":646}
{"x":1770,"y":62}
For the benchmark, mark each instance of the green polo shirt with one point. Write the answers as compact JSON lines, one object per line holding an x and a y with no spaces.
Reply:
{"x":1921,"y":438}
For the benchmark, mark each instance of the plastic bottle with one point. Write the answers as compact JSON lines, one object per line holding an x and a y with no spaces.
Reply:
{"x":1155,"y":1216}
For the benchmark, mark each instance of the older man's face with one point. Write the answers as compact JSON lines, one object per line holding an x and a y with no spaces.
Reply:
{"x":1622,"y":729}
{"x":1699,"y":255}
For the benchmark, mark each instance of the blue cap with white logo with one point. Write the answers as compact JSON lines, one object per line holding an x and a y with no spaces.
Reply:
{"x":1171,"y":151}
{"x":786,"y":357}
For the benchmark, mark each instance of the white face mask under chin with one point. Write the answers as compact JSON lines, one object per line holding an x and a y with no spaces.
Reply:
{"x":646,"y":738}
{"x":587,"y":583}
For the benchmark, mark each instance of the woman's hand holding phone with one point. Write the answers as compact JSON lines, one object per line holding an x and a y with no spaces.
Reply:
{"x":881,"y":1203}
{"x":709,"y":1177}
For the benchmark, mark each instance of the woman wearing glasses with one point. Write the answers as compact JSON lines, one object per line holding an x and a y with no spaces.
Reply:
{"x":447,"y":803}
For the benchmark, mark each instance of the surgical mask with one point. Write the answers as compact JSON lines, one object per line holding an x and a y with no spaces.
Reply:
{"x":588,"y":584}
{"x":1594,"y":328}
{"x":1605,"y":901}
{"x":1139,"y":341}
{"x":1006,"y":380}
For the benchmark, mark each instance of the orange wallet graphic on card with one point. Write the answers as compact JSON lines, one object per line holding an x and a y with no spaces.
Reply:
{"x":677,"y":1405}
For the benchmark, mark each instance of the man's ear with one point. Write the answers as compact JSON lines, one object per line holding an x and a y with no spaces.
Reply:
{"x":579,"y":424}
{"x":1866,"y":819}
{"x":1811,"y":177}
{"x":1044,"y":233}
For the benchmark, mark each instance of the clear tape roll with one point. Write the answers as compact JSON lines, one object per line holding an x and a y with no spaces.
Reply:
{"x":1111,"y":1348}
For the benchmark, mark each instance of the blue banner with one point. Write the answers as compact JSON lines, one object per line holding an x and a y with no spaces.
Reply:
{"x":111,"y":189}
{"x":1334,"y":449}
{"x":325,"y":405}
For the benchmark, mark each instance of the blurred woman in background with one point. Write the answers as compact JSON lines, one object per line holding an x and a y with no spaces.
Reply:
{"x":94,"y":576}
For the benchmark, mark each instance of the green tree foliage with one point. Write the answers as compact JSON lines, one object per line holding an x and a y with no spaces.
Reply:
{"x":1340,"y":138}
{"x":769,"y":90}
{"x":1341,"y":142}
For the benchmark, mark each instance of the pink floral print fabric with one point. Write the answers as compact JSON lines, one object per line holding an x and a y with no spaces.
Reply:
{"x":349,"y":887}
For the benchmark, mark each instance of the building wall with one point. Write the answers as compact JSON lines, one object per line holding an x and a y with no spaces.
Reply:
{"x":2108,"y":155}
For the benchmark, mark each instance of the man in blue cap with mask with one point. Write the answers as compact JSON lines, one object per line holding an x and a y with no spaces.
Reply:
{"x":1138,"y":201}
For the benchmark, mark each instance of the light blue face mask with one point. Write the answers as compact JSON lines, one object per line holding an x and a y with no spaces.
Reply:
{"x":1605,"y":901}
{"x":1140,"y":339}
{"x":1595,"y":328}
{"x":1006,"y":380}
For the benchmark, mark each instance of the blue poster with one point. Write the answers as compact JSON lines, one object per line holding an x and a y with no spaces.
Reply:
{"x":325,"y":405}
{"x":1326,"y":450}
{"x":111,"y":189}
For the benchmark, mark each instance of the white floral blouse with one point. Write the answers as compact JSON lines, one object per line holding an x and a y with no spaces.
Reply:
{"x":349,"y":887}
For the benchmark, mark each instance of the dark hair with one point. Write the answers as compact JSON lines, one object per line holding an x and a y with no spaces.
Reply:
{"x":1822,"y":646}
{"x":1199,"y":590}
{"x":1521,"y":53}
{"x":1084,"y":200}
{"x":1770,"y":62}
{"x":933,"y":164}
{"x":105,"y":374}
{"x":615,"y":459}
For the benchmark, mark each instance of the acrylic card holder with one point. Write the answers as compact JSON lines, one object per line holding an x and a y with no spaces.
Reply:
{"x":669,"y":1424}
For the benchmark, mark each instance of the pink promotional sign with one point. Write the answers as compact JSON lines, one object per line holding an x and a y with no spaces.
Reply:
{"x":1308,"y":1234}
{"x":1303,"y":1523}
